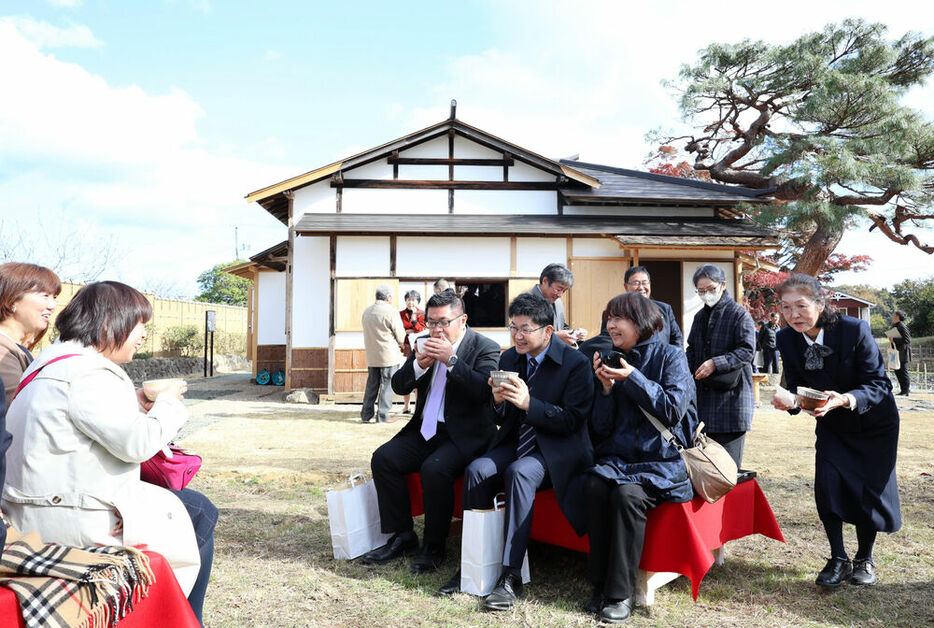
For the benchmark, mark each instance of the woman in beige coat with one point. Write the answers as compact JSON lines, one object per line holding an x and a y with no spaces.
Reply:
{"x":80,"y":432}
{"x":27,"y":301}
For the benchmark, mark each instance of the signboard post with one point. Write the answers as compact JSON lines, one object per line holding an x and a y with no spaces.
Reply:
{"x":210,"y":326}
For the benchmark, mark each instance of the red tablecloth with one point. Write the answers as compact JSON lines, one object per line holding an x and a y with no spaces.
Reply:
{"x":678,"y":538}
{"x":166,"y":605}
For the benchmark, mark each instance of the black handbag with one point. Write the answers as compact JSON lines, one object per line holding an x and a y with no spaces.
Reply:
{"x":723,"y":380}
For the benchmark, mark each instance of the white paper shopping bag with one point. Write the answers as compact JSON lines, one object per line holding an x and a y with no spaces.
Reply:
{"x":892,"y":362}
{"x":482,"y":541}
{"x":353,"y":514}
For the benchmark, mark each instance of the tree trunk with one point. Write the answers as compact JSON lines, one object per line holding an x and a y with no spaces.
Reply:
{"x":818,"y":248}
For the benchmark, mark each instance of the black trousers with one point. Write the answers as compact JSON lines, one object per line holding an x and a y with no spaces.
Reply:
{"x":769,"y":361}
{"x":733,"y":442}
{"x":438,"y":461}
{"x":904,"y":381}
{"x":616,"y":527}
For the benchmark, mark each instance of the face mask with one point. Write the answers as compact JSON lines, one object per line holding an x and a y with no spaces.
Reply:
{"x":712,"y":299}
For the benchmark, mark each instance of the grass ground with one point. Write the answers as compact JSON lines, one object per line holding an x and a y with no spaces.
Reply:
{"x":268,"y":466}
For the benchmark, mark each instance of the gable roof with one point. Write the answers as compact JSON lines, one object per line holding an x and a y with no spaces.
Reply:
{"x":620,"y":186}
{"x":273,"y":198}
{"x":843,"y":296}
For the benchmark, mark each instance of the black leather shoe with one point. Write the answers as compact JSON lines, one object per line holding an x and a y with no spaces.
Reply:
{"x":864,"y":572}
{"x":505,"y":593}
{"x":428,"y":559}
{"x":400,"y":544}
{"x":834,"y":573}
{"x":595,"y":604}
{"x":617,"y":611}
{"x":452,"y":585}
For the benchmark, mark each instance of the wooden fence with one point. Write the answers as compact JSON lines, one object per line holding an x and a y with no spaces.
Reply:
{"x":166,"y":313}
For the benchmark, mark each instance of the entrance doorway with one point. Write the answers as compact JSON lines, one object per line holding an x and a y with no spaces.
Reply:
{"x":666,"y":285}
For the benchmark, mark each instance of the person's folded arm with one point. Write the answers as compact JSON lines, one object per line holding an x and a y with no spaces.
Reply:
{"x":106,"y":410}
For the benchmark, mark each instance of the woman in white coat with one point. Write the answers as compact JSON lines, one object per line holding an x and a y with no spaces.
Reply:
{"x":80,"y":432}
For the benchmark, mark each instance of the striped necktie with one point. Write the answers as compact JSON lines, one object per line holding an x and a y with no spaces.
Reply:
{"x":527,"y":432}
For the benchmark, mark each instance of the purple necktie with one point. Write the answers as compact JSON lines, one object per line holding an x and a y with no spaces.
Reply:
{"x":432,"y":409}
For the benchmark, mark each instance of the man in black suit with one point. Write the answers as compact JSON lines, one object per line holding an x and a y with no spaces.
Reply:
{"x":555,"y":280}
{"x":450,"y":427}
{"x":543,"y":440}
{"x":637,"y":279}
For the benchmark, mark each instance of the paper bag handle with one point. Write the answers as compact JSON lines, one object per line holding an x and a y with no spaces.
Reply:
{"x":355,"y":476}
{"x":499,"y":501}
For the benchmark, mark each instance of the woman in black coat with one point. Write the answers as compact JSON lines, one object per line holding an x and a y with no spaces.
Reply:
{"x":636,"y":468}
{"x":857,"y":429}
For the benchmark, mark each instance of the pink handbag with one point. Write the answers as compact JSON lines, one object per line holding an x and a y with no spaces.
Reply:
{"x":174,"y":472}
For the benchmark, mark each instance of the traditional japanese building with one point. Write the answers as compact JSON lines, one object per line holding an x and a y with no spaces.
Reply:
{"x":456,"y":202}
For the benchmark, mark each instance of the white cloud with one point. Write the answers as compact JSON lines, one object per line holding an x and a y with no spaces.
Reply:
{"x":124,"y":161}
{"x":45,"y":35}
{"x":65,"y":4}
{"x":272,"y":55}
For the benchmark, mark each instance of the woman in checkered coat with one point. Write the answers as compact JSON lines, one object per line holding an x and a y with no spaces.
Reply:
{"x":721,"y":347}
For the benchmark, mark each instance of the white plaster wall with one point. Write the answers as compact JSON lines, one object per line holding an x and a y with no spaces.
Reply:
{"x":405,"y":202}
{"x":596,"y":247}
{"x":524,"y":172}
{"x":468,"y":149}
{"x":437,"y":148}
{"x":318,"y":198}
{"x":499,"y":337}
{"x":348,"y":340}
{"x":679,"y":253}
{"x":692,"y":302}
{"x":505,"y":202}
{"x":378,"y":169}
{"x":270,"y":326}
{"x":478,"y":173}
{"x":584,"y":210}
{"x":311,"y":292}
{"x":424,"y":173}
{"x":361,"y":256}
{"x":458,"y":257}
{"x":533,"y":254}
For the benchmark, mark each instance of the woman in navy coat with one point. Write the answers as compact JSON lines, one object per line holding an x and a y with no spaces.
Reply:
{"x":636,"y":468}
{"x":857,"y":430}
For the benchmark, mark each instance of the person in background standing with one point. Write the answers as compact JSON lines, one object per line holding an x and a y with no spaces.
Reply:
{"x":413,"y":321}
{"x":637,"y":279}
{"x":383,"y":336}
{"x":720,"y":349}
{"x":443,"y":284}
{"x":554,"y":281}
{"x":903,"y":345}
{"x":766,"y":341}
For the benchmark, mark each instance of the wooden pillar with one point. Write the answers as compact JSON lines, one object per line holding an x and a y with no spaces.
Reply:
{"x":738,"y":272}
{"x":289,"y":274}
{"x":332,"y":337}
{"x":254,"y":317}
{"x":513,"y":256}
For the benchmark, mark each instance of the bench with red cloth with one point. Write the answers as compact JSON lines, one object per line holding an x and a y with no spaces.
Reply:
{"x":165,"y":605}
{"x":679,"y":538}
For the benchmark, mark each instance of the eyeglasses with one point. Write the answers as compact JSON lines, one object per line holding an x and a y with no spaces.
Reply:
{"x":640,"y":284}
{"x":712,"y":290}
{"x":512,"y":329}
{"x":443,"y":323}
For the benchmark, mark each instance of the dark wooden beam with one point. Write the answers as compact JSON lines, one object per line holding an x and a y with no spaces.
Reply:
{"x":451,"y":201}
{"x":507,"y":161}
{"x":446,"y":185}
{"x":446,"y":161}
{"x":340,"y":196}
{"x":392,"y":256}
{"x":394,"y":160}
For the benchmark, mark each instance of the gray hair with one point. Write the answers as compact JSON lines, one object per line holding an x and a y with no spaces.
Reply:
{"x":383,"y":292}
{"x":711,"y":272}
{"x":557,"y":272}
{"x":442,"y":284}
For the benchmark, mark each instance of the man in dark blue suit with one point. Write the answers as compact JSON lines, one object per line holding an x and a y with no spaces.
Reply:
{"x":543,"y":440}
{"x":637,"y":279}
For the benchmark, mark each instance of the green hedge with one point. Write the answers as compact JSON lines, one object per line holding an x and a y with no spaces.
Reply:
{"x":188,"y":341}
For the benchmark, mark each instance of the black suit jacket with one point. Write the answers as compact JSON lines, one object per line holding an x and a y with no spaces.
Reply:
{"x":561,"y":398}
{"x":466,"y":394}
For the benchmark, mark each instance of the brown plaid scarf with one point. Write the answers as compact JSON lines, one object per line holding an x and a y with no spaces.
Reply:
{"x":60,"y":586}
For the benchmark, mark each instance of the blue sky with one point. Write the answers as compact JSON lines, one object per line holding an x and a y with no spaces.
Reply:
{"x":148,"y":122}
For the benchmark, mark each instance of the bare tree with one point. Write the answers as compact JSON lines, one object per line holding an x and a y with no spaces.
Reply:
{"x":72,"y":250}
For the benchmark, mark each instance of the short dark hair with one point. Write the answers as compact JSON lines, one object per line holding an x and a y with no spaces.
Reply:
{"x":103,"y":314}
{"x":446,"y":297}
{"x":557,"y":272}
{"x":711,"y":272}
{"x":534,"y":307}
{"x":811,"y":287}
{"x":413,"y":294}
{"x":901,"y":315}
{"x":641,"y":311}
{"x":636,"y":269}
